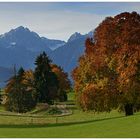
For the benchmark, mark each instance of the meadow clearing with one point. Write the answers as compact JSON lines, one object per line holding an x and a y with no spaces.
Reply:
{"x":79,"y":124}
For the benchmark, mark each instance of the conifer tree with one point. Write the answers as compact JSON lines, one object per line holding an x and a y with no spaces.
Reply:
{"x":46,"y":83}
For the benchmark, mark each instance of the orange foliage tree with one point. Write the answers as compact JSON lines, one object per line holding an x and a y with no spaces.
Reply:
{"x":108,"y":75}
{"x":64,"y":84}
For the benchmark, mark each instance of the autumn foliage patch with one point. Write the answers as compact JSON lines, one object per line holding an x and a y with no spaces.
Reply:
{"x":108,"y":74}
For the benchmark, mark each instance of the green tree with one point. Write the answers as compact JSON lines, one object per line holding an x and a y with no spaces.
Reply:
{"x":46,"y":83}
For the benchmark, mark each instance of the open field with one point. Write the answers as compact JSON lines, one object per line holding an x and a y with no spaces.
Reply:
{"x":79,"y":124}
{"x":105,"y":127}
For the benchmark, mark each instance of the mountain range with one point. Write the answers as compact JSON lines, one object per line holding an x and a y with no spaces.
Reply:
{"x":20,"y":47}
{"x":5,"y":73}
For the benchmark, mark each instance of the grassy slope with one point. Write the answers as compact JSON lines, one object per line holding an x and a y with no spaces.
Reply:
{"x":113,"y":127}
{"x":79,"y":124}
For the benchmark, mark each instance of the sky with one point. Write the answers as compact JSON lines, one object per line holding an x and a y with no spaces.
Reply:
{"x":58,"y":20}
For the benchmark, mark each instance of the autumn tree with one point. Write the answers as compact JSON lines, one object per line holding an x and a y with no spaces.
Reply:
{"x":46,"y":83}
{"x":63,"y":82}
{"x":128,"y":60}
{"x":18,"y":98}
{"x":108,"y":75}
{"x":28,"y":80}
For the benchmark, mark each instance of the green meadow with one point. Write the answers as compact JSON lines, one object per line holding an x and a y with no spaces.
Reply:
{"x":77,"y":124}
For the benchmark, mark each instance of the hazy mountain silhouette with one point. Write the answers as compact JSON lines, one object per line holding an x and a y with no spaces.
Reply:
{"x":20,"y":46}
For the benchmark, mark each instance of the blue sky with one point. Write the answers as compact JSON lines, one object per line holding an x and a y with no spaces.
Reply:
{"x":59,"y":20}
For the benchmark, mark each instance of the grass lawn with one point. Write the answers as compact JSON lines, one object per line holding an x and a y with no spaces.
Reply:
{"x":108,"y":127}
{"x":78,"y":125}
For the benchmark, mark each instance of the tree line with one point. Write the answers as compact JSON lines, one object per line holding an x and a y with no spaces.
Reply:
{"x":46,"y":84}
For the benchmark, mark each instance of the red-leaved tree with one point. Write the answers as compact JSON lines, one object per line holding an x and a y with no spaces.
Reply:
{"x":108,"y":74}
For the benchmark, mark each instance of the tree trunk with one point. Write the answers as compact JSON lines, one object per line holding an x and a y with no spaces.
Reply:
{"x":128,"y":109}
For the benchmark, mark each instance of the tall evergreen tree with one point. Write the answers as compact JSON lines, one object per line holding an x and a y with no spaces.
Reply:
{"x":46,"y":82}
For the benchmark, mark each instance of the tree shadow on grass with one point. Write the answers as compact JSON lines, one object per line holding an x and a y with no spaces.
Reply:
{"x":55,"y":124}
